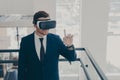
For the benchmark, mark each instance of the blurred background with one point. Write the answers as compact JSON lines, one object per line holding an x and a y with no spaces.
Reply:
{"x":95,"y":25}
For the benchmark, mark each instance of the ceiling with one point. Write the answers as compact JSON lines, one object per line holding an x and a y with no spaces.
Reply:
{"x":16,"y":20}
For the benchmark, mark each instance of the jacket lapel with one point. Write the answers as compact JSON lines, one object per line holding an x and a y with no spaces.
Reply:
{"x":47,"y":44}
{"x":34,"y":48}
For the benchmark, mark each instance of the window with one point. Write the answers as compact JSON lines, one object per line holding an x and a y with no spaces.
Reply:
{"x":68,"y":18}
{"x":113,"y":39}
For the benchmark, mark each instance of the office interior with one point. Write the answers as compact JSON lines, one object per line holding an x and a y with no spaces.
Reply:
{"x":95,"y":25}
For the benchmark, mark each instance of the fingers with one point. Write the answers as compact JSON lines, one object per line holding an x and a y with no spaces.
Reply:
{"x":69,"y":36}
{"x":68,"y":39}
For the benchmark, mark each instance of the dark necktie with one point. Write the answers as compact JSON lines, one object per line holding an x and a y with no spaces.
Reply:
{"x":42,"y":52}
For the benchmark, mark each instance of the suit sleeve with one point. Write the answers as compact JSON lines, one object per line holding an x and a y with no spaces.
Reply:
{"x":66,"y":52}
{"x":22,"y":62}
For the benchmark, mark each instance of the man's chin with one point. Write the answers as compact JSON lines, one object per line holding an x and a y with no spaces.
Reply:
{"x":44,"y":34}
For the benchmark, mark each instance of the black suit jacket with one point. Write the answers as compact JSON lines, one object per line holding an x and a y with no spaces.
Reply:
{"x":29,"y":67}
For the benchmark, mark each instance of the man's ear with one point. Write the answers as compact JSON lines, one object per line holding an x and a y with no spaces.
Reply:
{"x":35,"y":26}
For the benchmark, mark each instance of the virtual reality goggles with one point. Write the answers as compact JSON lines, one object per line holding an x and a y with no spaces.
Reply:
{"x":49,"y":24}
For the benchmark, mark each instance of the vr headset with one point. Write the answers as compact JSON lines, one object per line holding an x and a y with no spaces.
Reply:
{"x":49,"y":24}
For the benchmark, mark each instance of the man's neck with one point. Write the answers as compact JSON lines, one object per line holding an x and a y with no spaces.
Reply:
{"x":38,"y":34}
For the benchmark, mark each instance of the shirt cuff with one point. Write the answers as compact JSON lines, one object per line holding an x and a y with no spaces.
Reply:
{"x":71,"y":47}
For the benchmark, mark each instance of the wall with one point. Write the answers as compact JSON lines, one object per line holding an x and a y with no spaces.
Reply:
{"x":94,"y":28}
{"x":27,"y":7}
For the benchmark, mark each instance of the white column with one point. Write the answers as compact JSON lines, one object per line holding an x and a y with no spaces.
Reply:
{"x":94,"y":28}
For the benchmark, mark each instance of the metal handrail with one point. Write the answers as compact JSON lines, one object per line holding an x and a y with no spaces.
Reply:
{"x":95,"y":65}
{"x":85,"y":70}
{"x":93,"y":62}
{"x":8,"y":50}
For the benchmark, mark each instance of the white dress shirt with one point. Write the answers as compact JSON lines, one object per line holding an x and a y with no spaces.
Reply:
{"x":38,"y":44}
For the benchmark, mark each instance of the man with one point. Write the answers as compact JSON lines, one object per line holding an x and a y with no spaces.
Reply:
{"x":34,"y":66}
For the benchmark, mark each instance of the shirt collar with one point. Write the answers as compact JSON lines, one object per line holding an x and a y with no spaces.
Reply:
{"x":39,"y":36}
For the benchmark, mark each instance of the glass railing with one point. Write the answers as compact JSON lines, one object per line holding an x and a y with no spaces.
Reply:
{"x":84,"y":68}
{"x":90,"y":67}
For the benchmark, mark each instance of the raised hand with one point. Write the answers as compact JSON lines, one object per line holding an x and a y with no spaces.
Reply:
{"x":68,"y":39}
